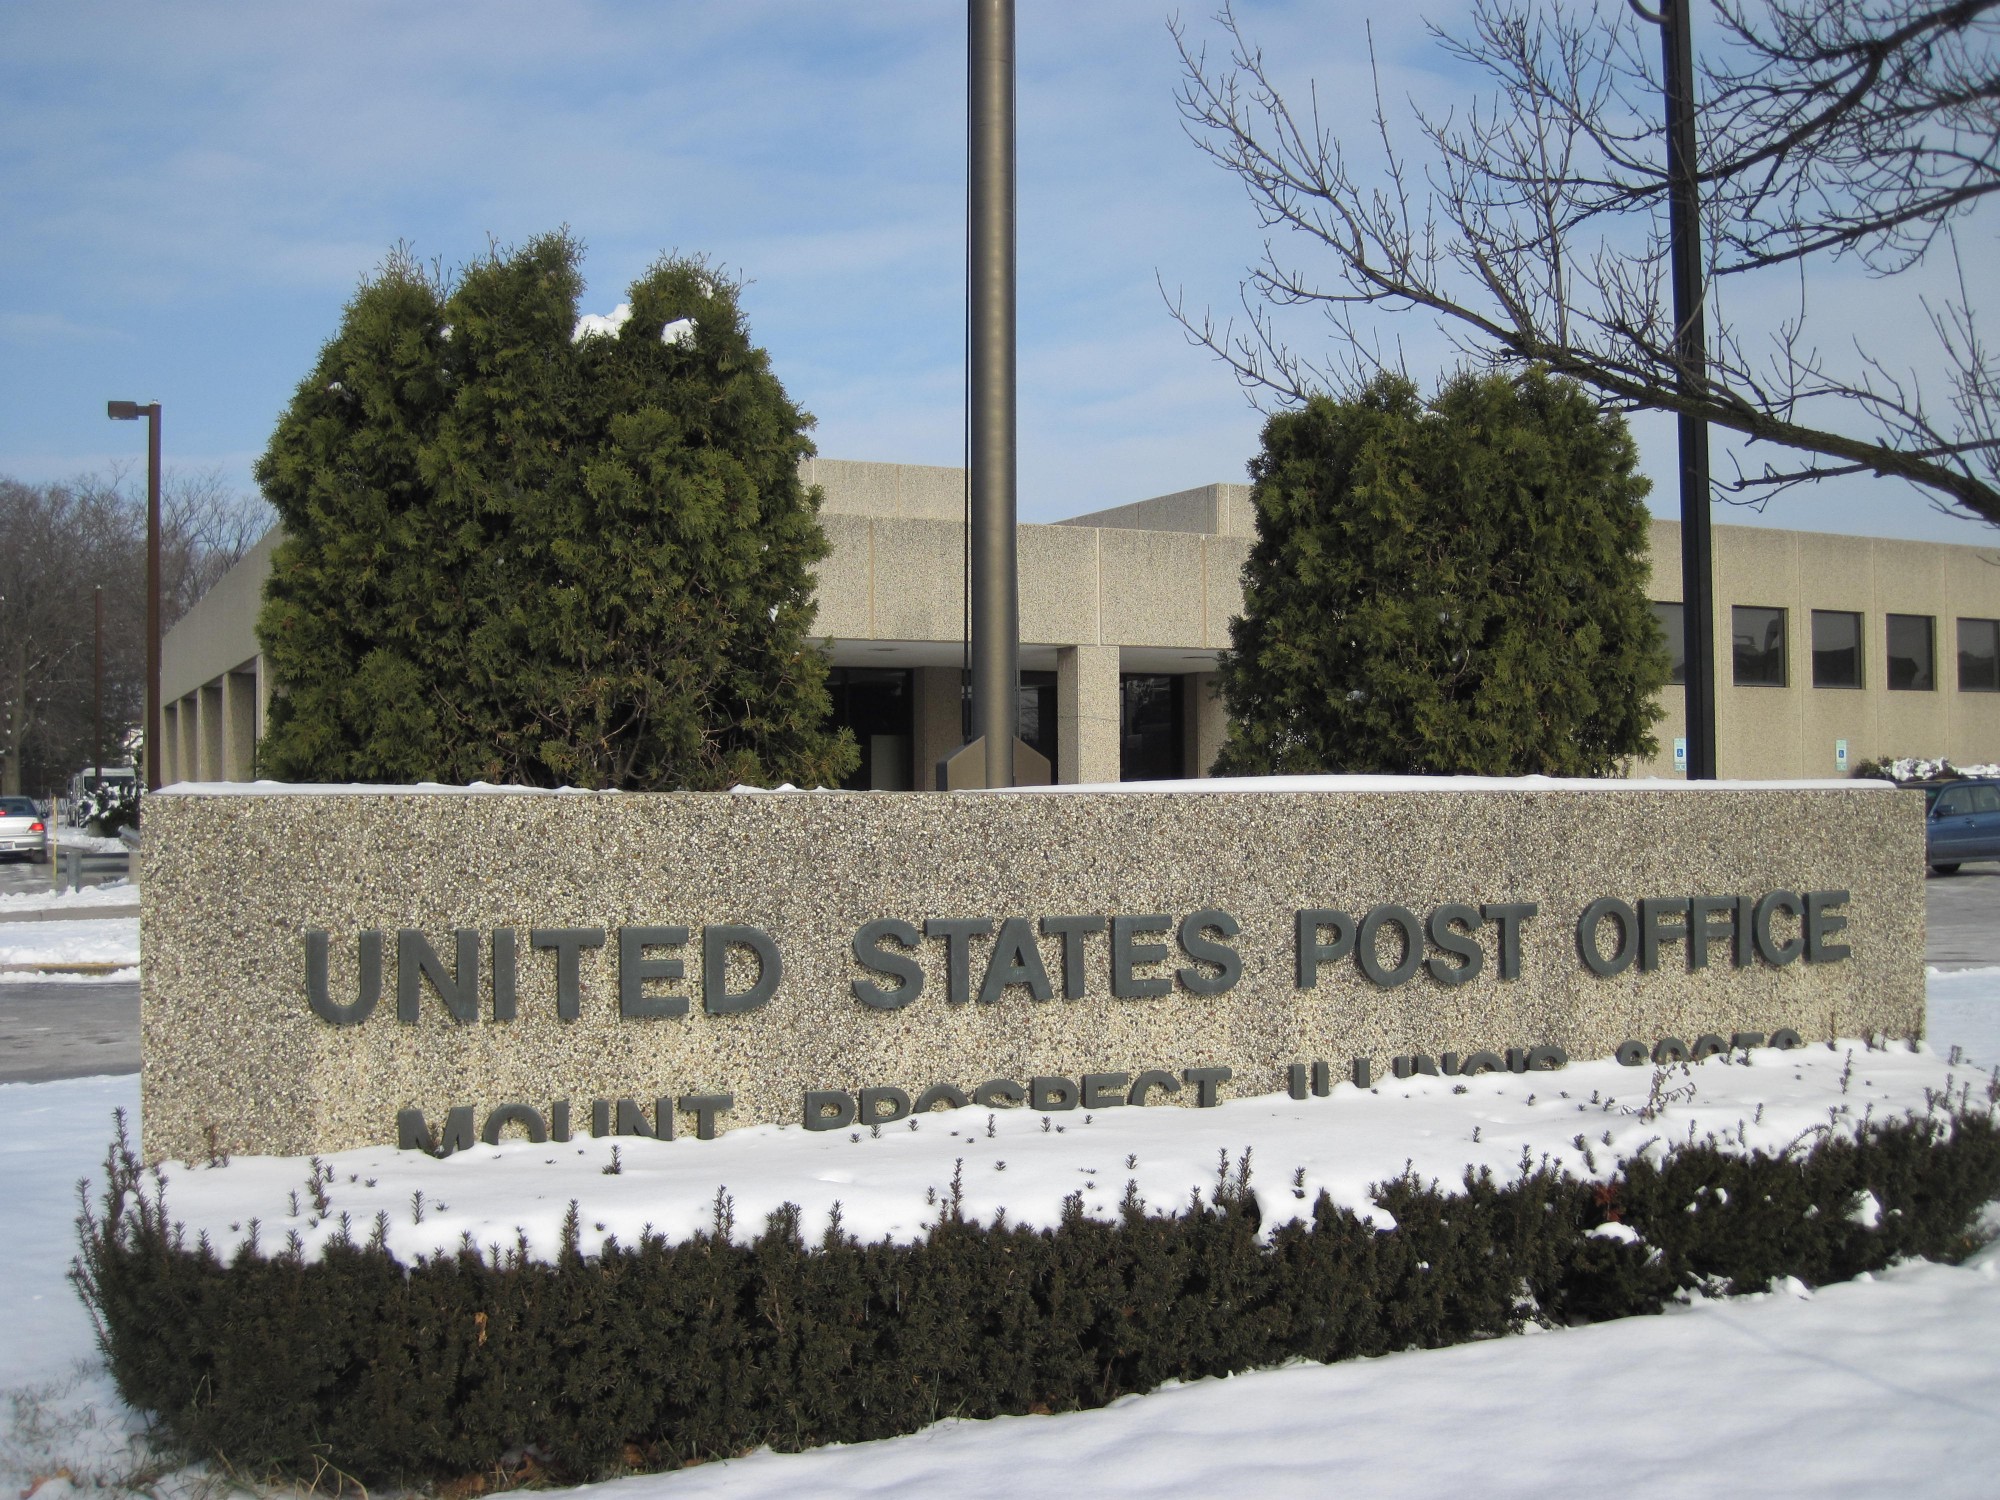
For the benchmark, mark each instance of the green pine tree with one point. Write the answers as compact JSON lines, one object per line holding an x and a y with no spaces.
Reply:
{"x":514,"y":555}
{"x":1456,"y":587}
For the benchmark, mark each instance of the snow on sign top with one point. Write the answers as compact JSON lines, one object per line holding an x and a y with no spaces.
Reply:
{"x":1238,"y":785}
{"x":1257,"y":784}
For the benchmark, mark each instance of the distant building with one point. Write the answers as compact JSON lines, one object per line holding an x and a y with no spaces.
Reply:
{"x":1881,"y":647}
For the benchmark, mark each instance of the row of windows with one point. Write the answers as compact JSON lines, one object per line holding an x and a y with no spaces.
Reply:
{"x":1909,"y":654}
{"x":878,"y":703}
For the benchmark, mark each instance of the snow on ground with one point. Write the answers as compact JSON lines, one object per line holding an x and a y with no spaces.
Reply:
{"x":89,"y":843}
{"x":126,"y":975}
{"x":1915,"y":768}
{"x":51,"y":1134}
{"x":890,"y":1180}
{"x":111,"y":893}
{"x":1964,"y":1012}
{"x":1868,"y":1389}
{"x":1874,"y":1387}
{"x":83,"y":941}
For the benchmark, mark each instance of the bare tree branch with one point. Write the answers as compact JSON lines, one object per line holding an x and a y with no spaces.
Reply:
{"x":1535,"y":230}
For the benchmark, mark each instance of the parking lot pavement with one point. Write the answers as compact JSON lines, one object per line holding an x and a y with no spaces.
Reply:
{"x":98,"y":869}
{"x":52,"y":1029}
{"x":1963,"y":912}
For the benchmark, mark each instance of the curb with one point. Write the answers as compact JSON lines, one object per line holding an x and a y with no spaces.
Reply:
{"x":72,"y":968}
{"x":67,"y":914}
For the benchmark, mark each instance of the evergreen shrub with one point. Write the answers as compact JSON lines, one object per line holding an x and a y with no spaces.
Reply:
{"x":524,"y":547}
{"x":654,"y":1355}
{"x":1445,"y":587}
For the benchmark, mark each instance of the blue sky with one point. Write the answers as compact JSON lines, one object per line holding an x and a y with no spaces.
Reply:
{"x":193,"y":190}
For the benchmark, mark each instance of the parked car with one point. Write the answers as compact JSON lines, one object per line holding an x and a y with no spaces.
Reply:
{"x":1962,"y":822}
{"x":22,"y":831}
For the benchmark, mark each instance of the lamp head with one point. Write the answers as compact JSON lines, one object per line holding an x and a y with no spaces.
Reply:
{"x":122,"y":411}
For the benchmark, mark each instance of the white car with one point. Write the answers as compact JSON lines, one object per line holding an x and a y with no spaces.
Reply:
{"x":22,"y":831}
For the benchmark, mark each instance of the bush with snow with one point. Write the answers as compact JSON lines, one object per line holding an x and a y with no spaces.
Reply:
{"x":652,"y":1353}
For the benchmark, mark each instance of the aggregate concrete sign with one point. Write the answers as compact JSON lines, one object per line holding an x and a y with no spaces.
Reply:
{"x":432,"y":967}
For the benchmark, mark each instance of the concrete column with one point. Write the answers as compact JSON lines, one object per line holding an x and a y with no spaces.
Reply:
{"x":170,"y":729}
{"x":1087,"y":713}
{"x":1207,"y":722}
{"x":937,"y":720}
{"x":239,"y":725}
{"x":209,"y":717}
{"x":187,"y":741}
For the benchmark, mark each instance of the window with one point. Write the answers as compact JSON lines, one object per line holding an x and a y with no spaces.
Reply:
{"x":875,"y":702}
{"x":1836,"y":648}
{"x":1673,"y":629}
{"x":1911,"y":668}
{"x":1760,"y":646}
{"x":1035,"y":715}
{"x":1979,"y":656}
{"x":1149,"y":727}
{"x":1954,"y":802}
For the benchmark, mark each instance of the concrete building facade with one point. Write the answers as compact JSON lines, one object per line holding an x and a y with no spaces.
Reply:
{"x":1885,"y":647}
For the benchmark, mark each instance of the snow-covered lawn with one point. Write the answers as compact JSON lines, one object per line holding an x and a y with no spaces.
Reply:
{"x":889,"y":1180}
{"x":1869,"y":1388}
{"x":1964,"y":1012}
{"x":63,"y":941}
{"x":113,"y":893}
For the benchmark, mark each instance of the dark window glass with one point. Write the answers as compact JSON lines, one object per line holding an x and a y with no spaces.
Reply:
{"x":1911,"y":668}
{"x":1760,"y":646}
{"x":1979,"y":656}
{"x":1836,"y":648}
{"x":1149,"y":727}
{"x":1673,"y":628}
{"x":1035,"y":705}
{"x":876,"y":703}
{"x":1955,"y":802}
{"x":1038,"y":715}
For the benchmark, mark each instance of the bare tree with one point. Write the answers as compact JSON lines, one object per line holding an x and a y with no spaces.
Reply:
{"x":205,"y":528}
{"x":63,"y":541}
{"x":1534,"y":227}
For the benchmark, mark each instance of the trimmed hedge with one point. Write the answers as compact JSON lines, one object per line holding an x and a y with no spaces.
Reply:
{"x":656,"y":1355}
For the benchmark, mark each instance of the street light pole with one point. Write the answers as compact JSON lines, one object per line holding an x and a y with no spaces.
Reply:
{"x":131,"y":411}
{"x":97,"y":686}
{"x":1690,"y":374}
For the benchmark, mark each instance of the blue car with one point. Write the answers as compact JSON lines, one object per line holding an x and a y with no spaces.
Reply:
{"x":1963,"y":822}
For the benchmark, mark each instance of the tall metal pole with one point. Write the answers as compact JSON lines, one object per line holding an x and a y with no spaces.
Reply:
{"x":97,"y":686}
{"x":131,"y":411}
{"x":995,"y":605}
{"x":153,"y":745}
{"x":1691,"y":363}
